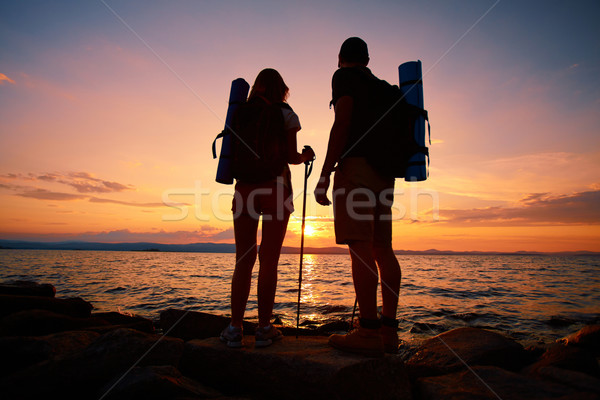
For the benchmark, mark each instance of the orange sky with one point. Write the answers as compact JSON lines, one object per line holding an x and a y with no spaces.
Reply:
{"x":109,"y":110}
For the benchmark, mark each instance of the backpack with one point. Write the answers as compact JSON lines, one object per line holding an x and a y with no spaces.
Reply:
{"x":259,"y":141}
{"x":390,"y":142}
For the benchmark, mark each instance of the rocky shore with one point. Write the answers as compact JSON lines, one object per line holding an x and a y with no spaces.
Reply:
{"x":60,"y":348}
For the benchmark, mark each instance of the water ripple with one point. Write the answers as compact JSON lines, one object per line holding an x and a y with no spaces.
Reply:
{"x":531,"y":298}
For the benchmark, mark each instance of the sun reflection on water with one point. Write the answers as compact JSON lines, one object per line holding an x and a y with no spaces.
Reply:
{"x":309,"y":294}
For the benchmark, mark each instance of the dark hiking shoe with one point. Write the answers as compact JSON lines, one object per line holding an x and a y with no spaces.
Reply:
{"x":367,"y":342}
{"x":390,"y":339}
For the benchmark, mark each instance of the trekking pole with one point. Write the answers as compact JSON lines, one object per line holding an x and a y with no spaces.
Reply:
{"x":307,"y":170}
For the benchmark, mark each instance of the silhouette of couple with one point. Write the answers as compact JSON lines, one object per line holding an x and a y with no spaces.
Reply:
{"x":361,"y":207}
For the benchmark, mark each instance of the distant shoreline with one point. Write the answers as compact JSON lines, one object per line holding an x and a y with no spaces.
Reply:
{"x":230,"y":248}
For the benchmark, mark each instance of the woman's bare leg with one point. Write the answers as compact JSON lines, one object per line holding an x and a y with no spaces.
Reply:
{"x":273,"y":233}
{"x":245,"y":228}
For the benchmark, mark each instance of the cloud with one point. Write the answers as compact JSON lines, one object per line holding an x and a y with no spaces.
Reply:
{"x":206,"y":233}
{"x":43,"y":194}
{"x":47,"y":177}
{"x":10,"y":186}
{"x":534,"y":209}
{"x":507,"y":178}
{"x":82,"y":182}
{"x":125,"y":235}
{"x":223,"y":235}
{"x":4,"y":78}
{"x":127,"y":203}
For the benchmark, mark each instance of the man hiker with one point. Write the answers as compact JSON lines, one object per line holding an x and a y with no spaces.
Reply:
{"x":362,"y":201}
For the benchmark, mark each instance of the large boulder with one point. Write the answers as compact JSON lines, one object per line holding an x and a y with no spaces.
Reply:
{"x":73,"y":307}
{"x":577,"y":380}
{"x":43,"y":322}
{"x":333,"y":326}
{"x":462,"y":347}
{"x":126,"y":321}
{"x":567,"y":357}
{"x":27,"y":288}
{"x":19,"y":352}
{"x":485,"y":382}
{"x":588,"y":337}
{"x":124,"y":347}
{"x":187,"y":325}
{"x":156,"y":382}
{"x":81,"y":374}
{"x":301,"y":368}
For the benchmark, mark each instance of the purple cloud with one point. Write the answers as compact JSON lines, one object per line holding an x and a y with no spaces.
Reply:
{"x":125,"y":203}
{"x":82,"y":182}
{"x":534,"y":209}
{"x":85,"y":182}
{"x":206,"y":233}
{"x":43,"y":194}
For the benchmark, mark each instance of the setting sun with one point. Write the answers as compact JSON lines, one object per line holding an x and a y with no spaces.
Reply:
{"x":309,"y":230}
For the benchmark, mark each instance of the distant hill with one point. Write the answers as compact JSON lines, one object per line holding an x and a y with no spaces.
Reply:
{"x":139,"y":246}
{"x":230,"y":248}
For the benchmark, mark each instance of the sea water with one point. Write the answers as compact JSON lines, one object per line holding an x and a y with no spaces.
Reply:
{"x":530,"y":298}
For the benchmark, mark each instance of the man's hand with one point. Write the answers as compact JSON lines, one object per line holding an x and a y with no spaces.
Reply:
{"x":321,"y":190}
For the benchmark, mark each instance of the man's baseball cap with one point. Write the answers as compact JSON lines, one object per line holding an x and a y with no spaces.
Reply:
{"x":354,"y":49}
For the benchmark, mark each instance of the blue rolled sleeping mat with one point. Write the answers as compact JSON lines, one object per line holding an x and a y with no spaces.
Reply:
{"x":237,"y":96}
{"x":411,"y":84}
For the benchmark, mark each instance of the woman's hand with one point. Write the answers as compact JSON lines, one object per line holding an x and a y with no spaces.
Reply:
{"x":308,"y":154}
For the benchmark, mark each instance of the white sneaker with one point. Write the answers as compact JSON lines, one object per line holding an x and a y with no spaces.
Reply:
{"x":232,"y":336}
{"x":266,"y":336}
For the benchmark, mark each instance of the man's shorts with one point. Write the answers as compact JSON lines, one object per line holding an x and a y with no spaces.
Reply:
{"x":272,"y":200}
{"x":362,"y":203}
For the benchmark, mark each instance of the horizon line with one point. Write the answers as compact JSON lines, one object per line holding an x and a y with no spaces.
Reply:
{"x":172,"y":247}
